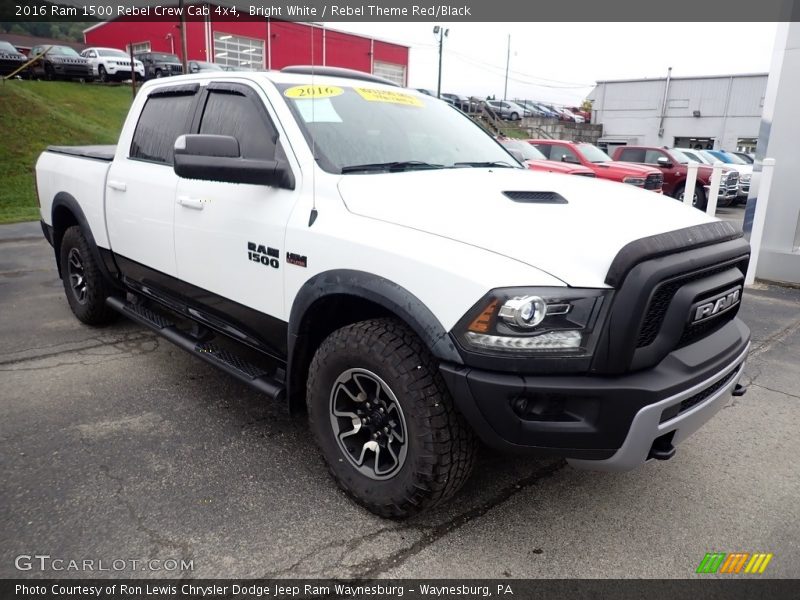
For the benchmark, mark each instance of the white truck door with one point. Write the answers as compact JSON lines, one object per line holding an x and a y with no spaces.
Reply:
{"x":140,"y":188}
{"x":229,"y":238}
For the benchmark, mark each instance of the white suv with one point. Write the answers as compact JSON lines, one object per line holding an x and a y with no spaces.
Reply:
{"x":112,"y":64}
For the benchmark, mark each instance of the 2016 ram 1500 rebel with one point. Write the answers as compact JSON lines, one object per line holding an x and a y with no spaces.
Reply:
{"x":371,"y":254}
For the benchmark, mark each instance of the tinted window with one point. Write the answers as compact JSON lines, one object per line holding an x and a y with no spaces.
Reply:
{"x":560,"y":152}
{"x":632,"y":155}
{"x":651,"y":156}
{"x":163,"y":119}
{"x":544,"y":149}
{"x":239,"y":116}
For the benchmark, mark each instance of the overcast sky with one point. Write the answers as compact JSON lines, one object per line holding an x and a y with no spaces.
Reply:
{"x":559,"y":62}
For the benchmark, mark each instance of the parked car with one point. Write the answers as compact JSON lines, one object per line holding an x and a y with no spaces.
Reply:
{"x":460,"y":102}
{"x":534,"y":109}
{"x":11,"y":59}
{"x":696,"y":156}
{"x":60,"y":62}
{"x":110,"y":64}
{"x":744,"y":168}
{"x":600,"y":163}
{"x":673,"y":165}
{"x":565,"y":114}
{"x":159,"y":64}
{"x":548,"y":112}
{"x":421,"y":294}
{"x":745,"y":156}
{"x":587,"y":116}
{"x":196,"y":66}
{"x":536,"y":161}
{"x":509,"y":111}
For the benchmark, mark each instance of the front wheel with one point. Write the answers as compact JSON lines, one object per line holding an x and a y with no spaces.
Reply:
{"x":384,"y":420}
{"x":514,"y":116}
{"x":698,"y":200}
{"x":84,"y":284}
{"x":103,"y":76}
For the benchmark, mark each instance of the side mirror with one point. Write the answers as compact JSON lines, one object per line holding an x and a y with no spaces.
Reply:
{"x":663,"y":161}
{"x":194,"y":68}
{"x":218,"y":158}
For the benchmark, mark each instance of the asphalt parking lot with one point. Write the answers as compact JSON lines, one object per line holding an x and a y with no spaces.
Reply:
{"x":117,"y":445}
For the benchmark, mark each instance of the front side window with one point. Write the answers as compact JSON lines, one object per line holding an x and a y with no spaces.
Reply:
{"x":373,"y":127}
{"x":562,"y":153}
{"x":237,"y":115}
{"x":164,"y":118}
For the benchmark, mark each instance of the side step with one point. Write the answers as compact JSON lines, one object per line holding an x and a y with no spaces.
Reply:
{"x":221,"y":358}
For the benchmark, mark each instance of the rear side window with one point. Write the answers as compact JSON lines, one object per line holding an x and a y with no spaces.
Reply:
{"x":164,"y":118}
{"x":232,"y":113}
{"x":632,"y":155}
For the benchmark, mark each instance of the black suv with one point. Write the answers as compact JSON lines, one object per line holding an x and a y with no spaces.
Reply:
{"x":60,"y":62}
{"x":11,"y":59}
{"x":159,"y":64}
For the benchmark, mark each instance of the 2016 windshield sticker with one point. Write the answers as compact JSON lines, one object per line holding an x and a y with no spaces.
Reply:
{"x":372,"y":95}
{"x":313,"y":91}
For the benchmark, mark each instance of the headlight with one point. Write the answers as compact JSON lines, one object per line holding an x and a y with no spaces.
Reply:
{"x":534,"y":322}
{"x":639,"y":181}
{"x":746,"y":177}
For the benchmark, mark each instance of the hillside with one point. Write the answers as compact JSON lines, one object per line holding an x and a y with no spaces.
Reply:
{"x":36,"y":114}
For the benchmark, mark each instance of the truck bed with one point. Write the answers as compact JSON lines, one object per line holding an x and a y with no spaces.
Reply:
{"x":105,"y":153}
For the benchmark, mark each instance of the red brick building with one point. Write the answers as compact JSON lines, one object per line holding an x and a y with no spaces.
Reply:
{"x":257,"y":44}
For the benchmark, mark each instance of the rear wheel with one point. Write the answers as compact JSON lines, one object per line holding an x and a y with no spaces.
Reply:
{"x":84,"y":284}
{"x":384,"y":420}
{"x":699,"y":199}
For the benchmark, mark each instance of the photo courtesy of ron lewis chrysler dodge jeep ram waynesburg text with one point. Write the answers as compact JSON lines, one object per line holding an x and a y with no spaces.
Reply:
{"x":372,"y":255}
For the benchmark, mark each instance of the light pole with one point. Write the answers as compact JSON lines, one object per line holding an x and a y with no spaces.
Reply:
{"x":508,"y":62}
{"x":442,"y":33}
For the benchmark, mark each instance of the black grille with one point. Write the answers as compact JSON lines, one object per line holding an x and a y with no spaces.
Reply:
{"x":674,"y":411}
{"x":654,"y":181}
{"x":176,"y":68}
{"x":662,"y":297}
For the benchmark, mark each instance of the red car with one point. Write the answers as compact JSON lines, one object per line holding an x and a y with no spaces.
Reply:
{"x":537,"y":161}
{"x":600,"y":163}
{"x":672,"y":164}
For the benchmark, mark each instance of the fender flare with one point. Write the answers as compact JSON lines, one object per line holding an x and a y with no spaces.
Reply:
{"x":67,"y":201}
{"x":380,"y":291}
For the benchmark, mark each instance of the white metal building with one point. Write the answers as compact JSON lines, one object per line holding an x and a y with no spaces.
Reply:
{"x":719,"y":111}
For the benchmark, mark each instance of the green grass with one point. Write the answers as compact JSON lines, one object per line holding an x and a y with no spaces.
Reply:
{"x":37,"y":114}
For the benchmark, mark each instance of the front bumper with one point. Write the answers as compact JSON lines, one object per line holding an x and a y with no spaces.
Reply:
{"x":603,"y":422}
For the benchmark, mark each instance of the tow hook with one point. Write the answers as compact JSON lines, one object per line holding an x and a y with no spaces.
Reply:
{"x":662,"y":448}
{"x":739,"y":390}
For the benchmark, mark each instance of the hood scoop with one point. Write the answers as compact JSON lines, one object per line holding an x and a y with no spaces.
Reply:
{"x":536,"y":197}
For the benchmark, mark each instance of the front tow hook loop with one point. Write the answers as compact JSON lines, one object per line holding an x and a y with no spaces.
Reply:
{"x":739,"y":390}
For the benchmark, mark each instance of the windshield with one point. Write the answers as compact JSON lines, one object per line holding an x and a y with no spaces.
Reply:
{"x":712,"y":158}
{"x":524,"y":148}
{"x":62,"y":51}
{"x":593,"y":154}
{"x":112,"y":53}
{"x":165,"y":58}
{"x":373,"y":128}
{"x":6,"y":47}
{"x":679,"y":156}
{"x":733,"y":159}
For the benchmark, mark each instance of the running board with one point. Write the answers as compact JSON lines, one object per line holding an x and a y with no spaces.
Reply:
{"x":223,"y":359}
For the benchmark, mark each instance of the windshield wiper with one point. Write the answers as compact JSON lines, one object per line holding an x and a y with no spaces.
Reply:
{"x":395,"y":166}
{"x":479,"y":164}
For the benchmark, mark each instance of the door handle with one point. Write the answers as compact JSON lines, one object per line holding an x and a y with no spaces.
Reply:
{"x":120,"y":186}
{"x":188,"y":202}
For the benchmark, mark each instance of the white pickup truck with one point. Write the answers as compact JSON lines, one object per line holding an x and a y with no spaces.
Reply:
{"x":371,"y":254}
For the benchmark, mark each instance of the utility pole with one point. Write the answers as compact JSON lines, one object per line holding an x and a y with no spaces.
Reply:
{"x":442,"y":33}
{"x":508,"y":61}
{"x":184,"y":58}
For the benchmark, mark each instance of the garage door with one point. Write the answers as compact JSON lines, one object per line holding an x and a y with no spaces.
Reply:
{"x":390,"y":71}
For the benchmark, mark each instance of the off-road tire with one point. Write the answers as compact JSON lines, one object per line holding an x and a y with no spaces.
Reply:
{"x":93,"y":310}
{"x":441,"y":446}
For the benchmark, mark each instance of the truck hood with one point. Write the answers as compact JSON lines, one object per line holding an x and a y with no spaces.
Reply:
{"x":557,"y":167}
{"x":573,"y":241}
{"x":627,"y":168}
